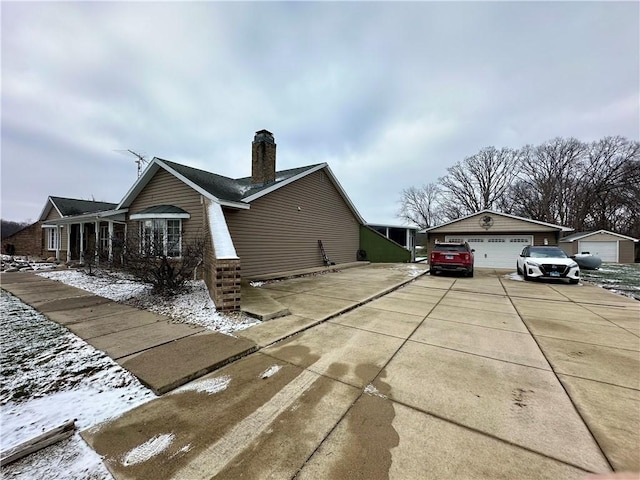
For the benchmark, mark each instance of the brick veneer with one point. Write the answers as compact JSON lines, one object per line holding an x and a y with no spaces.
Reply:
{"x":27,"y":241}
{"x":222,"y":276}
{"x":226,"y":289}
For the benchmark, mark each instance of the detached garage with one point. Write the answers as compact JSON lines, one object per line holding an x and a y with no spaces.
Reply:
{"x":497,"y":238}
{"x":609,"y":246}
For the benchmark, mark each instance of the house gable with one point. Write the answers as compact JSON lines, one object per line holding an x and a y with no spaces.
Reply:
{"x":281,"y":230}
{"x":164,"y":189}
{"x":597,"y":236}
{"x":498,"y":223}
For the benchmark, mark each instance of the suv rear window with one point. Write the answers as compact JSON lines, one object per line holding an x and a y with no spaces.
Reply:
{"x":451,"y":247}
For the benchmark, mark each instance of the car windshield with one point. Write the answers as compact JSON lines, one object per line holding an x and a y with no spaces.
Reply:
{"x":546,"y":253}
{"x":444,"y":247}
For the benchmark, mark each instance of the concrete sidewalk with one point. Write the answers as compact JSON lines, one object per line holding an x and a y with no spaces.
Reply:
{"x":447,"y":377}
{"x":163,"y":355}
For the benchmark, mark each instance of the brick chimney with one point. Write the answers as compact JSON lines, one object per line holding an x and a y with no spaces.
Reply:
{"x":263,"y":158}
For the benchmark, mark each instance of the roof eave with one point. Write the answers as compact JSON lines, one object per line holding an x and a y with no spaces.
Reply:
{"x":515,"y":217}
{"x":86,"y":216}
{"x":281,"y":184}
{"x":297,"y":177}
{"x":607,"y":232}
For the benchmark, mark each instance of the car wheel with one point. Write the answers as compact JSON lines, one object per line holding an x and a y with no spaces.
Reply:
{"x":518,"y":269}
{"x":470,"y":274}
{"x":526,"y":275}
{"x":574,"y":281}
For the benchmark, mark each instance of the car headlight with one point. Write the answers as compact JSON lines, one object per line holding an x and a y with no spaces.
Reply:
{"x":532,"y":263}
{"x":573,"y":265}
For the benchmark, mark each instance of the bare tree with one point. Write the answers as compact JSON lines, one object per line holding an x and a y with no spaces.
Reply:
{"x":550,"y":181}
{"x":479,"y":182}
{"x":611,"y":199}
{"x":420,"y":205}
{"x":147,"y":260}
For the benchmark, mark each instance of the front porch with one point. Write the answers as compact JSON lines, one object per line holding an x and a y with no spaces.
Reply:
{"x":95,"y":238}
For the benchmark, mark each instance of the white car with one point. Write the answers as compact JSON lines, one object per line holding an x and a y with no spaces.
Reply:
{"x":547,"y":262}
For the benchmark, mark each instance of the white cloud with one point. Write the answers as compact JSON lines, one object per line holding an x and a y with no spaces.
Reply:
{"x":389,"y":93}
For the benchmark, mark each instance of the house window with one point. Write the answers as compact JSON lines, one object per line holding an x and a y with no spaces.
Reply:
{"x":161,"y":237}
{"x":53,"y":239}
{"x":104,"y":237}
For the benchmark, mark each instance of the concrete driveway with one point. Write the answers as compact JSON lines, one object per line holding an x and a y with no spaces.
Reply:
{"x":446,"y":377}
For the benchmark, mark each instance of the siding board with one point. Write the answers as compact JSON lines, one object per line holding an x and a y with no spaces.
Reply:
{"x":501,"y":225}
{"x":165,"y":189}
{"x":281,"y":230}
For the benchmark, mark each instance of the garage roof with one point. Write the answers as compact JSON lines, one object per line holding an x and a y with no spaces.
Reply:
{"x":581,"y":235}
{"x":489,"y":227}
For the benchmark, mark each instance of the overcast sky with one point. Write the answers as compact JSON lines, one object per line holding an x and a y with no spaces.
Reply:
{"x":389,"y":94}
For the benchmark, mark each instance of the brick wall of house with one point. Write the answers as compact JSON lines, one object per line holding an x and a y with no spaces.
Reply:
{"x":27,"y":241}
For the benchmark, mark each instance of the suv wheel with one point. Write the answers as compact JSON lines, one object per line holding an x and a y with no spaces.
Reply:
{"x":518,"y":269}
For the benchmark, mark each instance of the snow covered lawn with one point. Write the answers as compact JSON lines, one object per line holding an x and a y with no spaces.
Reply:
{"x":194,"y":307}
{"x":49,"y":375}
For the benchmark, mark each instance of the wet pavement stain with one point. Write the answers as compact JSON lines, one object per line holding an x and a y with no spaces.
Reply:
{"x":371,"y":436}
{"x":195,"y":419}
{"x":281,"y":450}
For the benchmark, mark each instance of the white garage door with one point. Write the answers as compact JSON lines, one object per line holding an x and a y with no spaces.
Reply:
{"x":607,"y":251}
{"x":495,"y":251}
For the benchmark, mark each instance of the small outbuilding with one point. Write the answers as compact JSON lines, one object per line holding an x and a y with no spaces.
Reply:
{"x":497,"y":238}
{"x":609,"y":246}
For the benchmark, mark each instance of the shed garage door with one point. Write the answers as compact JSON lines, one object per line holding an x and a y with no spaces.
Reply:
{"x":495,"y":251}
{"x":607,"y":251}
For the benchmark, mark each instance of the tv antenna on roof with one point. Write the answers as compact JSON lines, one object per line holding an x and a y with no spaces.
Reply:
{"x":140,"y":158}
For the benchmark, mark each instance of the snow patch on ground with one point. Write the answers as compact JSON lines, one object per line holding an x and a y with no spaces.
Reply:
{"x":194,"y":307}
{"x":371,"y":390}
{"x":271,"y":371}
{"x":514,"y":276}
{"x":48,"y":376}
{"x":210,"y":386}
{"x":412,"y":270}
{"x":148,"y":449}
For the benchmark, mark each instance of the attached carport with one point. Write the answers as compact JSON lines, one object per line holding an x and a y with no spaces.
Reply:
{"x":497,"y":238}
{"x":609,"y":246}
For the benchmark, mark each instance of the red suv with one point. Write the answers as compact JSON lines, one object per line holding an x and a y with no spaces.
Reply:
{"x":451,"y":257}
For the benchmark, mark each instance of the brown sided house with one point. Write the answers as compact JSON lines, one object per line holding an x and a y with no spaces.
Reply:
{"x":497,"y":238}
{"x":53,"y":235}
{"x":263,"y":224}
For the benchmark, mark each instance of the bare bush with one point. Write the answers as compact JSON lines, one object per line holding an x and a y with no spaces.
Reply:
{"x":147,"y":260}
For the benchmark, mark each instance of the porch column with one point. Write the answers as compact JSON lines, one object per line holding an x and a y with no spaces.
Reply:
{"x":81,"y":242}
{"x":69,"y":243}
{"x":59,"y":239}
{"x":110,"y":241}
{"x":97,"y":242}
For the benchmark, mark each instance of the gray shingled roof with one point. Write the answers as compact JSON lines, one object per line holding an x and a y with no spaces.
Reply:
{"x":72,"y":206}
{"x":226,"y":188}
{"x":162,"y":209}
{"x":573,"y":236}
